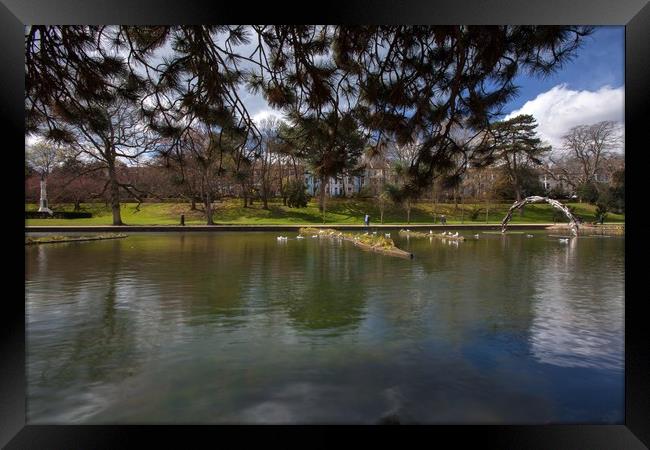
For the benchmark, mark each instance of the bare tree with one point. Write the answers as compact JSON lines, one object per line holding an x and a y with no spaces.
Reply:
{"x":266,"y":158}
{"x":403,"y":157}
{"x":110,"y":135}
{"x":585,"y":149}
{"x":42,"y":157}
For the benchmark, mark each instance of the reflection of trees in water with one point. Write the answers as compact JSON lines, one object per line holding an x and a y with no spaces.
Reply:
{"x":210,"y":275}
{"x":319,"y":285}
{"x":479,"y":287}
{"x":97,"y":344}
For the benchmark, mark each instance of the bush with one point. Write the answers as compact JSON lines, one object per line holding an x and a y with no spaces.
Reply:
{"x":474,"y":213}
{"x":558,"y":193}
{"x":588,"y":192}
{"x":502,"y":188}
{"x":58,"y":215}
{"x":365,"y":192}
{"x":617,"y":192}
{"x":601,"y":212}
{"x":297,"y":196}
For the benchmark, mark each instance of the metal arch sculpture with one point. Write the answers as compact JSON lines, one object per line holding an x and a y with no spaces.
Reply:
{"x":573,"y":221}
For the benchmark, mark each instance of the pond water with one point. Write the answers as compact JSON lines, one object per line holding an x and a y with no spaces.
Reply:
{"x":242,"y":328}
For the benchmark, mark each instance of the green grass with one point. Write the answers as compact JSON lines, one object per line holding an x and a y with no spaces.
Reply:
{"x":339,"y":211}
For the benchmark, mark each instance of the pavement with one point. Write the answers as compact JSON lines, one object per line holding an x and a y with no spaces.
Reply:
{"x":176,"y":228}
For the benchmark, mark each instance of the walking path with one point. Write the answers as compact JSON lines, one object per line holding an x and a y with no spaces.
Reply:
{"x":360,"y":227}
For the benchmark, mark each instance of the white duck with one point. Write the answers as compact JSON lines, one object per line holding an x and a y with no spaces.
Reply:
{"x":476,"y":236}
{"x":281,"y":238}
{"x":456,"y":234}
{"x":564,"y":240}
{"x":300,"y":237}
{"x":529,"y":235}
{"x":387,"y":235}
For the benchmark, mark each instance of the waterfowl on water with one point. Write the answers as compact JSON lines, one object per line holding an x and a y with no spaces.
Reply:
{"x":476,"y":236}
{"x":387,"y":235}
{"x":529,"y":235}
{"x":300,"y":237}
{"x":564,"y":240}
{"x":281,"y":238}
{"x":456,"y":234}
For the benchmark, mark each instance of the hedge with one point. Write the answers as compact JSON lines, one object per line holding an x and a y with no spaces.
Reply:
{"x":58,"y":215}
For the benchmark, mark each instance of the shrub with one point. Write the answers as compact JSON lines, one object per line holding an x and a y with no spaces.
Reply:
{"x":601,"y":212}
{"x":558,"y":193}
{"x":58,"y":215}
{"x":588,"y":192}
{"x":474,"y":213}
{"x":297,"y":196}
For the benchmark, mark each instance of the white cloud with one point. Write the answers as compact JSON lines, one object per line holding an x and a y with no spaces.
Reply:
{"x":560,"y":109}
{"x":265,"y":113}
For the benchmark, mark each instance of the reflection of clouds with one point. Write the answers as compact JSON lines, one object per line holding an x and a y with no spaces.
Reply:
{"x":297,"y":402}
{"x":563,"y":339}
{"x":578,"y":322}
{"x":269,"y":412}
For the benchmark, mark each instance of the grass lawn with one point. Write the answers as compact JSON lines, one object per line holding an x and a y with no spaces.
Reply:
{"x":339,"y":211}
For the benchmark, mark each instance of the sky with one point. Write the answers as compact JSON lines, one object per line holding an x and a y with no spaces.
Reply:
{"x":586,"y":90}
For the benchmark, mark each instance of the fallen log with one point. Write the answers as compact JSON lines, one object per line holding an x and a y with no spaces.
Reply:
{"x":59,"y":239}
{"x":365,"y":241}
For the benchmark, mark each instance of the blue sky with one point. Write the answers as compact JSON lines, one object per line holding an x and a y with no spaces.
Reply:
{"x":586,"y":90}
{"x":600,"y":61}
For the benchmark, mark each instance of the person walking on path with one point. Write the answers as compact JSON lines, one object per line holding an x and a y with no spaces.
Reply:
{"x":366,"y":220}
{"x":443,"y":219}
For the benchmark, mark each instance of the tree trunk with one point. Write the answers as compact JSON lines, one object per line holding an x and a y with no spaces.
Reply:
{"x":207,"y":203}
{"x":265,"y":194}
{"x":462,"y":211}
{"x":321,"y":205}
{"x":244,"y":193}
{"x":114,"y":195}
{"x":433,"y":201}
{"x":193,"y":203}
{"x":518,"y":196}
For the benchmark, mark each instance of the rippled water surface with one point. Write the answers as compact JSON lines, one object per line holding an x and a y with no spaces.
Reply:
{"x":241,"y":328}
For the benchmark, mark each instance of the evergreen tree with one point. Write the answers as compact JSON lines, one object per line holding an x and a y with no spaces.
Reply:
{"x":516,"y":147}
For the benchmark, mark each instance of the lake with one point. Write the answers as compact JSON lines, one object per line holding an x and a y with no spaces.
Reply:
{"x":237,"y":327}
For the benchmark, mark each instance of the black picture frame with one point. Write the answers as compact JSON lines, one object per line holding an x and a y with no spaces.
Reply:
{"x":633,"y":14}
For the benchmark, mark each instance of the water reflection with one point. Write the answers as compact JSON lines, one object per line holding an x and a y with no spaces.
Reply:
{"x":237,"y":328}
{"x":578,"y":314}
